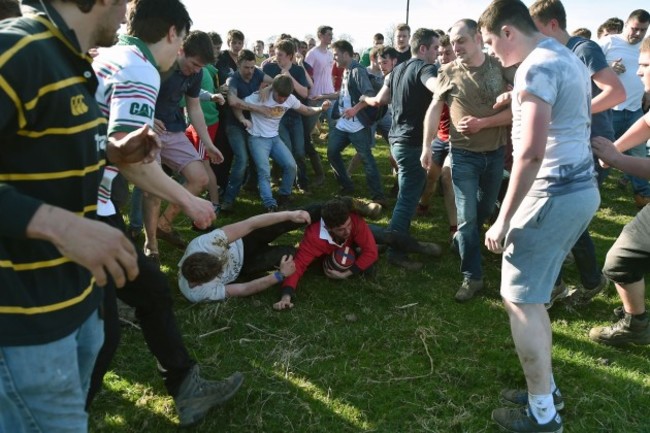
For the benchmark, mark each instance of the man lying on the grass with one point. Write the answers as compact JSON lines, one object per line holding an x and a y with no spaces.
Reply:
{"x":212,"y":262}
{"x":342,"y":233}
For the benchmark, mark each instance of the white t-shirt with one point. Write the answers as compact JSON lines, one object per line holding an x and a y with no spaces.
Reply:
{"x":557,"y":76}
{"x":322,"y":63}
{"x":353,"y":124}
{"x":617,"y":47}
{"x":126,"y":94}
{"x":232,"y":255}
{"x":267,"y":127}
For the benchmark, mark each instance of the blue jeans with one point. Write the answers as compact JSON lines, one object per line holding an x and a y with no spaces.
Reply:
{"x":237,"y":136}
{"x":584,"y":254}
{"x":476,"y":177}
{"x":313,"y":120}
{"x":382,"y":126}
{"x":622,"y":120}
{"x":261,"y":148}
{"x":43,"y":387}
{"x":339,"y":140}
{"x":135,"y":212}
{"x":412,"y":179}
{"x":293,"y":136}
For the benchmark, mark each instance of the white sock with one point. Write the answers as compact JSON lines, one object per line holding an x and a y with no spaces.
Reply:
{"x":542,"y":408}
{"x":553,"y":385}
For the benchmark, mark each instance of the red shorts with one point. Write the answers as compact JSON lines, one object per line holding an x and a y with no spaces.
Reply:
{"x":192,"y":135}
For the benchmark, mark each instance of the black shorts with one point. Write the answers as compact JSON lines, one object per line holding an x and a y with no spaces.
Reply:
{"x":629,"y":258}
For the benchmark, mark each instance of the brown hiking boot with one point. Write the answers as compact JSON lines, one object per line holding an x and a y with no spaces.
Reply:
{"x":628,"y":330}
{"x":641,"y":200}
{"x":468,"y":289}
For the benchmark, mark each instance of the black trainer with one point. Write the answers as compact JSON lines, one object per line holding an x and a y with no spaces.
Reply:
{"x":520,"y":420}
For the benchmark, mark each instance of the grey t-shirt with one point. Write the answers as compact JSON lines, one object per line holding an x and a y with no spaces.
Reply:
{"x":555,"y":75}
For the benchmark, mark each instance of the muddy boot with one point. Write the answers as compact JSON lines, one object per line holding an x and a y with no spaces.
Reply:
{"x":360,"y":207}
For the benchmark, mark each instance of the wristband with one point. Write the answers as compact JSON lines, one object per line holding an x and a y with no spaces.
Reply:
{"x":279,"y":276}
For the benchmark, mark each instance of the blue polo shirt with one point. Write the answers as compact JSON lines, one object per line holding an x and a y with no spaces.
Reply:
{"x":171,"y":92}
{"x":244,"y":89}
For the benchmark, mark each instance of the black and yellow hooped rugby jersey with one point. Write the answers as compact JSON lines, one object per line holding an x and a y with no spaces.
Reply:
{"x":52,"y":140}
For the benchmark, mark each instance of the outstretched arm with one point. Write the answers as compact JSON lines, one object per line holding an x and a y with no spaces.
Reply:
{"x":311,"y":111}
{"x":638,"y":133}
{"x":382,"y":98}
{"x":240,"y":229}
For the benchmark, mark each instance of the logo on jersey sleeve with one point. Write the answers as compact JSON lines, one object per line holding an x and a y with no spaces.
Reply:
{"x":142,"y":110}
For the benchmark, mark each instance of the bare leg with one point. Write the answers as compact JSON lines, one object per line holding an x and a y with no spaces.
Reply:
{"x":531,"y":332}
{"x":633,"y":296}
{"x":213,"y":188}
{"x":196,"y":177}
{"x":150,"y":212}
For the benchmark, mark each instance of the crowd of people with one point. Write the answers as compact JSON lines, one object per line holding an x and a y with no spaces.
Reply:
{"x":510,"y":109}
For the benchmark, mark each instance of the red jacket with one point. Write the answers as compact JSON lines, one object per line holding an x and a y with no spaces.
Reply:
{"x":313,"y":247}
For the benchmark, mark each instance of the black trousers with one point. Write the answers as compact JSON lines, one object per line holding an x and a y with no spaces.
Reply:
{"x":259,"y":256}
{"x":150,"y":295}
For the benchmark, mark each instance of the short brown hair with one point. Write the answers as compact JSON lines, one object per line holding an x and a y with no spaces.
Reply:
{"x":235,"y":35}
{"x":286,"y":46}
{"x":198,"y":44}
{"x":546,"y":10}
{"x":343,"y":46}
{"x":387,"y":52}
{"x":200,"y":268}
{"x":511,"y":12}
{"x":283,"y":85}
{"x":641,"y":15}
{"x":245,"y":56}
{"x":422,"y":37}
{"x":403,"y":26}
{"x":150,"y":20}
{"x":323,"y":29}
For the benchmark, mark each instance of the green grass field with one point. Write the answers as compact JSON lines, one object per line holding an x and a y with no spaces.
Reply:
{"x":393,"y":355}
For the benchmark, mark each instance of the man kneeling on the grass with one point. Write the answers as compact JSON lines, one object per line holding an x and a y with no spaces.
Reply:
{"x":213,"y":261}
